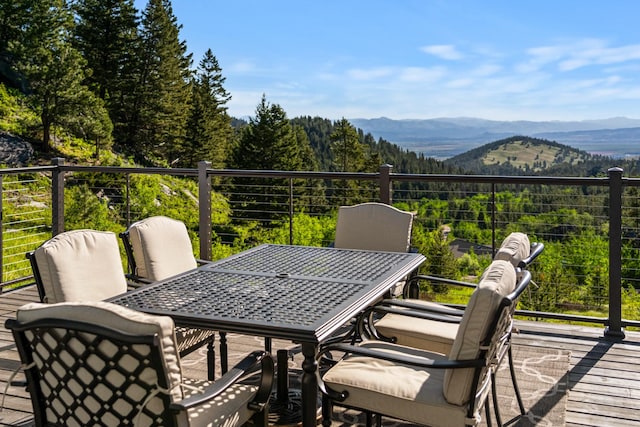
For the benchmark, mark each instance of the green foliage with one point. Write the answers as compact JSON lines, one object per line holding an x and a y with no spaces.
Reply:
{"x":15,"y":117}
{"x":85,"y":209}
{"x":55,"y":70}
{"x":439,"y":258}
{"x":209,"y":133}
{"x":469,"y":265}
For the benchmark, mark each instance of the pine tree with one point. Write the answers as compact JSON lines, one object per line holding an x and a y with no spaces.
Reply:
{"x":209,"y":131}
{"x":348,"y":155}
{"x":105,"y":32}
{"x":268,"y":142}
{"x":164,"y":86}
{"x":54,"y":71}
{"x":347,"y":150}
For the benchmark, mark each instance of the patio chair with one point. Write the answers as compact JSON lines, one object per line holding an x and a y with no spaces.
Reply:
{"x":425,"y":387}
{"x":374,"y":226}
{"x":158,"y":247}
{"x":85,"y":265}
{"x":432,"y":326}
{"x":98,"y":363}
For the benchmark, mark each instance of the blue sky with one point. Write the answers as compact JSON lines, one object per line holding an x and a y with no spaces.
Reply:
{"x":420,"y":59}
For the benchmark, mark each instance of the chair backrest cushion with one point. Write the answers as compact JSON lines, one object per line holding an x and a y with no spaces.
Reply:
{"x":161,"y":247}
{"x":122,"y":319}
{"x":498,"y":280}
{"x":373,"y":226}
{"x":514,"y":248}
{"x":81,"y":265}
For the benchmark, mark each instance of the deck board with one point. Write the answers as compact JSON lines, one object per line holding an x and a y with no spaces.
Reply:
{"x":604,"y":376}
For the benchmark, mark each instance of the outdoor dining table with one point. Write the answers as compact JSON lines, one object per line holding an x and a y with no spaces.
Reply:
{"x":298,"y":293}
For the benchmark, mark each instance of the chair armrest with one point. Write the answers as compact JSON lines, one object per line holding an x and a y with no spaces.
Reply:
{"x":411,"y":288}
{"x":432,"y":308}
{"x":536,"y":250}
{"x":244,"y":367}
{"x":135,"y":281}
{"x":403,"y":358}
{"x":418,"y":314}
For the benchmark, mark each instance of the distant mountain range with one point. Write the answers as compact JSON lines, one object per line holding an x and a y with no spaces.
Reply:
{"x":618,"y":137}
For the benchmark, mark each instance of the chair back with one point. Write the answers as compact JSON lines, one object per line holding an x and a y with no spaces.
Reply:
{"x":78,"y":265}
{"x":373,"y":226}
{"x":514,"y":248}
{"x":479,"y":331}
{"x":158,"y":247}
{"x":97,"y":363}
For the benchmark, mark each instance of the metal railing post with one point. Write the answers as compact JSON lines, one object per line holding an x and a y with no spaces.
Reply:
{"x":614,"y":328}
{"x":291,"y":211}
{"x":385,"y":183}
{"x":57,"y":197}
{"x":204,"y":201}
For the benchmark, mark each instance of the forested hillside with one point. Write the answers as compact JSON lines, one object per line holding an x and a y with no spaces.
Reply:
{"x":523,"y":155}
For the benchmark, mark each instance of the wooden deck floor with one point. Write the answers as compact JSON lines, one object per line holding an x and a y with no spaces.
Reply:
{"x":604,"y":377}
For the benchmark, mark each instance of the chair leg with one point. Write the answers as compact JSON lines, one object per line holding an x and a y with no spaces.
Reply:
{"x":514,"y":381}
{"x":327,"y":411}
{"x":224,"y":353}
{"x":261,"y":419}
{"x":487,"y":412}
{"x":369,"y":419}
{"x":494,"y":398}
{"x":211,"y":359}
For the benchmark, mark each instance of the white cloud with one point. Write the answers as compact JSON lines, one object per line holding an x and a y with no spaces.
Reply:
{"x":369,"y":74}
{"x":422,"y":75}
{"x":578,"y":54}
{"x":444,"y":51}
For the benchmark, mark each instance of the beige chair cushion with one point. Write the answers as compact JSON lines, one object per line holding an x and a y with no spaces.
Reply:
{"x":81,"y":265}
{"x":514,"y":248}
{"x":431,"y":335}
{"x":373,"y":226}
{"x":229,"y":409}
{"x":120,"y":318}
{"x":397,"y":390}
{"x":497,"y":281}
{"x":161,"y":248}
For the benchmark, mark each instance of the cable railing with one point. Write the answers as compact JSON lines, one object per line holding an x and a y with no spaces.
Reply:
{"x":590,"y":226}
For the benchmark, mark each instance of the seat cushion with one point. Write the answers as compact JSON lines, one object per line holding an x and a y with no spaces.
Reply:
{"x":81,"y":265}
{"x":497,"y":281}
{"x":431,"y":335}
{"x":120,"y":318}
{"x":373,"y":226}
{"x":230,"y":408}
{"x":514,"y":248}
{"x":402,"y":391}
{"x":161,"y":248}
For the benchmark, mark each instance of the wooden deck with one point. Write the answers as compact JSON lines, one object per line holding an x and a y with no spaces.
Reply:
{"x":604,"y":376}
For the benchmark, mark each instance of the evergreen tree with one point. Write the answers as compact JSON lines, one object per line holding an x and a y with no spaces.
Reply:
{"x":105,"y":32}
{"x":209,"y":131}
{"x":347,"y":150}
{"x":268,"y":142}
{"x":13,"y":17}
{"x":54,"y":71}
{"x":159,"y":127}
{"x":348,"y":154}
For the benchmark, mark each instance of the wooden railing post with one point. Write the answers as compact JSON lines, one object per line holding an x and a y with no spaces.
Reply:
{"x":57,"y":197}
{"x":614,"y":328}
{"x":204,"y":201}
{"x":385,"y":183}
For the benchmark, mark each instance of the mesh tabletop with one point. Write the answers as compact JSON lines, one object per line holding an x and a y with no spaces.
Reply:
{"x":324,"y":263}
{"x":291,"y":292}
